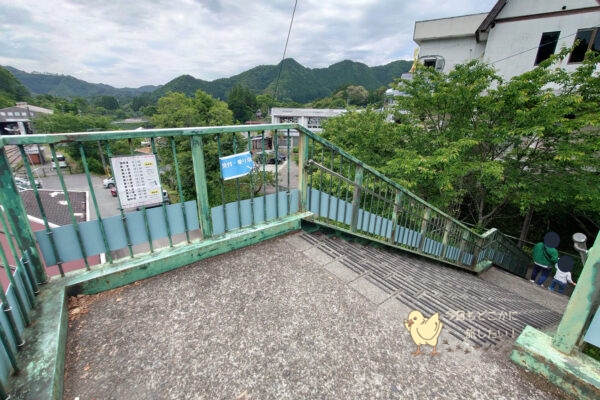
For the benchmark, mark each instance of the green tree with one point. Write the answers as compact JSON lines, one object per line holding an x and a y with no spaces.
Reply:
{"x":107,"y":102}
{"x":476,"y":144}
{"x":175,"y":110}
{"x":242,"y":102}
{"x":366,"y":135}
{"x":68,"y":122}
{"x":481,"y":148}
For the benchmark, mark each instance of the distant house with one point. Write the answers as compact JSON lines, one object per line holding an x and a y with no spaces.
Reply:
{"x":514,"y":37}
{"x":311,"y":118}
{"x":17,"y":120}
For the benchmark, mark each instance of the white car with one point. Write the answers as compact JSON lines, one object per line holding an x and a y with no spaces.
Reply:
{"x":109,"y":182}
{"x":24,"y":183}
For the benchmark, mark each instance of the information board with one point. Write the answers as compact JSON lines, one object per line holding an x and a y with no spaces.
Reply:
{"x":236,"y":166}
{"x":137,"y":181}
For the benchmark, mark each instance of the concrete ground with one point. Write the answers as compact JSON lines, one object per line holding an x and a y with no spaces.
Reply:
{"x":306,"y":316}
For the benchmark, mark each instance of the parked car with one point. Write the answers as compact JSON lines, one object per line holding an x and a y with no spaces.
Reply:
{"x":269,"y":157}
{"x":62,"y":162}
{"x":109,"y":182}
{"x":26,"y":184}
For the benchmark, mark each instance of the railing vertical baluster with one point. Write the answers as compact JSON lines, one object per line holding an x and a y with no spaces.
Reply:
{"x":222,"y":185}
{"x":364,"y":203}
{"x":251,"y":178}
{"x":8,"y":349}
{"x":424,"y":228}
{"x":30,"y":276}
{"x":348,"y":190}
{"x":237,"y":185}
{"x":289,"y":163}
{"x":179,"y":186}
{"x":396,"y":215}
{"x":201,"y":188}
{"x":264,"y":174}
{"x":123,"y":216}
{"x":276,"y":146}
{"x":95,"y":201}
{"x":338,"y":195}
{"x":5,"y":305}
{"x":163,"y":206}
{"x":70,"y":207}
{"x":330,"y":190}
{"x":17,"y":215}
{"x":303,"y":157}
{"x":11,"y":279}
{"x":358,"y":181}
{"x":147,"y":228}
{"x":447,"y":229}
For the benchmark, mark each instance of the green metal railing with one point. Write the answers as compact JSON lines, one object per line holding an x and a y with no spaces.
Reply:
{"x":316,"y":179}
{"x":345,"y":194}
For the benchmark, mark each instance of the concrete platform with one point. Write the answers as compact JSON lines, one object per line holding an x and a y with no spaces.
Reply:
{"x":306,"y":316}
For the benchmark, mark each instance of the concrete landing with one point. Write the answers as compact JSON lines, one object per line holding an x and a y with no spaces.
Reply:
{"x":306,"y":316}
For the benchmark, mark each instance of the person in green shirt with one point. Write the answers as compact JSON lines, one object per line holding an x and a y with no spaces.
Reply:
{"x":545,"y":256}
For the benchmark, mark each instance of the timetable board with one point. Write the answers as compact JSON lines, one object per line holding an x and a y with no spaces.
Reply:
{"x":137,"y":180}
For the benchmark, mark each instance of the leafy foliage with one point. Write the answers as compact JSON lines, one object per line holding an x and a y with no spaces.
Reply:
{"x":481,"y":148}
{"x":176,"y":110}
{"x":242,"y":103}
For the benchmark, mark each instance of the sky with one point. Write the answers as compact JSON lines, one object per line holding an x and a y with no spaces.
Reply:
{"x":132,"y":43}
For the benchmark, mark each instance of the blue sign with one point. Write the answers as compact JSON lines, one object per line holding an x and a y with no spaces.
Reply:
{"x":236,"y":166}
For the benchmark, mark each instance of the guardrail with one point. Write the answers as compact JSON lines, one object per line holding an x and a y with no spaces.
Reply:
{"x":345,"y":194}
{"x":72,"y":221}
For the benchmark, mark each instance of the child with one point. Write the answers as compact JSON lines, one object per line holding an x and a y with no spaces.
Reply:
{"x":563,"y":274}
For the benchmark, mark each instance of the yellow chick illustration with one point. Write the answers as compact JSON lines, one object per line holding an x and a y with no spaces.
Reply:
{"x":424,"y":330}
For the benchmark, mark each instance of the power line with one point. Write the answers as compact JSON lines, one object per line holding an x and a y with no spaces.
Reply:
{"x":284,"y":51}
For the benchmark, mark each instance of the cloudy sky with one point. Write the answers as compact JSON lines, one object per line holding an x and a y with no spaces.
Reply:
{"x":130,"y":43}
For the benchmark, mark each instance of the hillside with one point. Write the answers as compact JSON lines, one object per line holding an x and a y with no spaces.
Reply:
{"x":296,"y":83}
{"x":11,"y":90}
{"x":68,"y":86}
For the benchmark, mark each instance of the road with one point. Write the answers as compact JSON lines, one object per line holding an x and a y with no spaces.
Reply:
{"x":107,"y":204}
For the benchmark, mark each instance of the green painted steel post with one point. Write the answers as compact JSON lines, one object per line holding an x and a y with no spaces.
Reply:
{"x":17,"y":217}
{"x":447,"y":229}
{"x":581,"y":305}
{"x":6,"y":305}
{"x":179,"y":187}
{"x":70,"y":208}
{"x":95,"y":201}
{"x":424,"y":227}
{"x":11,"y":278}
{"x":358,"y":182}
{"x":396,"y":215}
{"x":302,"y":171}
{"x":201,"y":187}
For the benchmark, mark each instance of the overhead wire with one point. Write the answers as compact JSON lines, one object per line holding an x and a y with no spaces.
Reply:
{"x":284,"y":51}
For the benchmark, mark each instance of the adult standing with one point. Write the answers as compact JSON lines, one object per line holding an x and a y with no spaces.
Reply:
{"x":545,"y":256}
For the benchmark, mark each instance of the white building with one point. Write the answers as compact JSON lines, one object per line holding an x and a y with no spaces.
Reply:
{"x":514,"y":36}
{"x":311,"y":118}
{"x":17,"y":120}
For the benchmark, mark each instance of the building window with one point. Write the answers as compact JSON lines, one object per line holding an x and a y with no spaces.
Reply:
{"x":586,"y":40}
{"x":547,"y":46}
{"x":314,"y":122}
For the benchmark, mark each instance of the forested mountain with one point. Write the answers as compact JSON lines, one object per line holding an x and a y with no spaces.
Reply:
{"x":11,"y":90}
{"x":296,"y":82}
{"x":68,"y":86}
